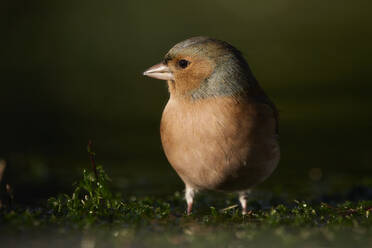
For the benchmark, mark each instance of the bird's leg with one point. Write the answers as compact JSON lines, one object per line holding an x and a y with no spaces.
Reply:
{"x":189,"y":195}
{"x":243,"y":198}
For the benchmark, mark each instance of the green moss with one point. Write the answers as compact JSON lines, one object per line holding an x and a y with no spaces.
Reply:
{"x":93,"y":206}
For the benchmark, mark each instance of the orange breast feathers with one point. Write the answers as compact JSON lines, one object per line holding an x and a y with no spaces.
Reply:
{"x":220,"y":143}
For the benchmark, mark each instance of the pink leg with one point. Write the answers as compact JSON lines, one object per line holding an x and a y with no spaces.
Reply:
{"x":189,"y":208}
{"x":243,"y":198}
{"x":189,"y":195}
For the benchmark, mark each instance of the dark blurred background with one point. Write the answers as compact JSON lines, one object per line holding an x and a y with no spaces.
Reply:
{"x":72,"y":71}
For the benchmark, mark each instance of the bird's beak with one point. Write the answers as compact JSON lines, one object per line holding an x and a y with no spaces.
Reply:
{"x":159,"y":71}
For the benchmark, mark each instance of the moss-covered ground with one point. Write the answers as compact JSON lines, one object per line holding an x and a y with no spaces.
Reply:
{"x":93,"y":216}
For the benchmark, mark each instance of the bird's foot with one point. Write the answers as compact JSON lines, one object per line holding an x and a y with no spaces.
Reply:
{"x":243,"y":198}
{"x":189,"y":195}
{"x":246,"y":212}
{"x":189,"y":208}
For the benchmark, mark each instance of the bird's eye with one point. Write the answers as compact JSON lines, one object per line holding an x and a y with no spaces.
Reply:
{"x":183,"y":63}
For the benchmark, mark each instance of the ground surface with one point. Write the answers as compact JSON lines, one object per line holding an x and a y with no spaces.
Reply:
{"x":93,"y":216}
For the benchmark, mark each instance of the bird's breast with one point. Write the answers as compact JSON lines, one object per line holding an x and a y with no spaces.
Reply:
{"x":220,"y":143}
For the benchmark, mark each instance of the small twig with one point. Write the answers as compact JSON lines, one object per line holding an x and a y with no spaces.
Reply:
{"x":347,"y":211}
{"x":228,"y":208}
{"x":92,"y":158}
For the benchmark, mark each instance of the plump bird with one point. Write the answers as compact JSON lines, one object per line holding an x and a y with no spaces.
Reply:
{"x":219,"y":129}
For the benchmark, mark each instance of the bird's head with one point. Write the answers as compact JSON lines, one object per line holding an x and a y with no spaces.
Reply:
{"x":203,"y":67}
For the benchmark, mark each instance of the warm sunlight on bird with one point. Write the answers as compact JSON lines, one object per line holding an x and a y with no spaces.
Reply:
{"x":219,"y":129}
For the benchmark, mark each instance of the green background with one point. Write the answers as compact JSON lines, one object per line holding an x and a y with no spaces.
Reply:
{"x":72,"y":71}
